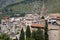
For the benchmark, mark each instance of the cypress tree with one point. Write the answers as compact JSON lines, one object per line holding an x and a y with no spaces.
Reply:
{"x":33,"y":34}
{"x":22,"y":37}
{"x":42,"y":17}
{"x":46,"y":30}
{"x":16,"y":38}
{"x":39,"y":35}
{"x":28,"y":32}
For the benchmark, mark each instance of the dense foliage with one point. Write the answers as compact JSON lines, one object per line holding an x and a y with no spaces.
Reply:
{"x":38,"y":35}
{"x":46,"y":30}
{"x":28,"y":32}
{"x":35,"y":35}
{"x":22,"y":36}
{"x":4,"y":37}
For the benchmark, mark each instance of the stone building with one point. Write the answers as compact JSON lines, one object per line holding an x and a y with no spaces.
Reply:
{"x":54,"y":32}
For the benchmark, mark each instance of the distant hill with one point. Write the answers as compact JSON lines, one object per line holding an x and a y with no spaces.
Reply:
{"x":4,"y":3}
{"x":28,"y":5}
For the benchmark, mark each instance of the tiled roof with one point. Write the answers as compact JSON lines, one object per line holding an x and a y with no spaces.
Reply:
{"x":37,"y":25}
{"x":5,"y":18}
{"x":55,"y":15}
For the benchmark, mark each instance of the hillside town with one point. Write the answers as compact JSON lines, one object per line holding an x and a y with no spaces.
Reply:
{"x":34,"y":22}
{"x":13,"y":25}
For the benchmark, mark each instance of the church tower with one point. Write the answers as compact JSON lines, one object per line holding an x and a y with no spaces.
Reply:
{"x":43,"y":10}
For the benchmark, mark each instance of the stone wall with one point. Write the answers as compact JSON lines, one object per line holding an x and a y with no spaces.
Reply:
{"x":54,"y":32}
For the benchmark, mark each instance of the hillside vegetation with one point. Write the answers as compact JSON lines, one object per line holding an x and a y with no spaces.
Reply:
{"x":28,"y":5}
{"x":4,"y":3}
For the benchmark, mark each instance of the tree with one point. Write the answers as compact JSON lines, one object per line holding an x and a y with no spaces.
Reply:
{"x":38,"y":35}
{"x":30,"y":39}
{"x":28,"y":32}
{"x":4,"y":37}
{"x":16,"y":38}
{"x":33,"y":34}
{"x":42,"y":17}
{"x":46,"y":30}
{"x":22,"y":37}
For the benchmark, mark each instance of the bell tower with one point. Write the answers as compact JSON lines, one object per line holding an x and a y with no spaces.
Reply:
{"x":43,"y":10}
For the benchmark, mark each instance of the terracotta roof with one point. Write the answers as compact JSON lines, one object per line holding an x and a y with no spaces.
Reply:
{"x":37,"y":25}
{"x":5,"y":18}
{"x":55,"y":15}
